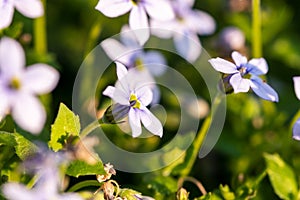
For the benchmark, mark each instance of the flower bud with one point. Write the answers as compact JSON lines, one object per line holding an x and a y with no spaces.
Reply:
{"x":115,"y":113}
{"x":182,"y":194}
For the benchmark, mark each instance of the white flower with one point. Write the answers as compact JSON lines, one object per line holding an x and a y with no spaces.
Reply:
{"x":131,"y":54}
{"x":184,"y":28}
{"x":138,"y":20}
{"x":133,"y":89}
{"x":29,"y":8}
{"x":19,"y":86}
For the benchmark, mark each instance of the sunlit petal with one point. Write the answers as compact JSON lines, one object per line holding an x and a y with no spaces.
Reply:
{"x":160,"y":10}
{"x":114,"y":8}
{"x":223,"y":66}
{"x":201,"y":22}
{"x":238,"y":58}
{"x":30,"y":8}
{"x":296,"y":80}
{"x":188,"y":46}
{"x":263,"y":90}
{"x":6,"y":13}
{"x":258,"y":66}
{"x":239,"y":84}
{"x":144,"y":95}
{"x":151,"y":123}
{"x":135,"y":122}
{"x":138,"y":22}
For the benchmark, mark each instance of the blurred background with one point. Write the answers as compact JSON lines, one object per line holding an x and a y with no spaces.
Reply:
{"x":253,"y":126}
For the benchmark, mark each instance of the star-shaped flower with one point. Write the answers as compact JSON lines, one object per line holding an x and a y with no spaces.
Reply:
{"x":29,"y":8}
{"x":19,"y":86}
{"x":133,"y":90}
{"x":138,"y":20}
{"x":188,"y":22}
{"x":244,"y":74}
{"x":296,"y":127}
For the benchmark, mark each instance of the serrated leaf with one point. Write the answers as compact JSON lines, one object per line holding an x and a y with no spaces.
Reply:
{"x":282,"y":177}
{"x":80,"y":168}
{"x":7,"y":139}
{"x":24,"y":147}
{"x":65,"y":125}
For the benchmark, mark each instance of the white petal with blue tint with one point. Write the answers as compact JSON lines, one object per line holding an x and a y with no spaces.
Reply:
{"x":296,"y":80}
{"x":40,"y":79}
{"x":150,"y":122}
{"x":259,"y":66}
{"x":296,"y":130}
{"x":263,"y":90}
{"x":138,"y":22}
{"x":114,"y":8}
{"x":160,"y":10}
{"x":201,"y":22}
{"x":121,"y":70}
{"x":6,"y":13}
{"x":29,"y":113}
{"x":239,"y":84}
{"x":144,"y":95}
{"x":12,"y":58}
{"x":238,"y":58}
{"x":30,"y":8}
{"x":116,"y":51}
{"x":135,"y":122}
{"x":223,"y":66}
{"x":155,"y":62}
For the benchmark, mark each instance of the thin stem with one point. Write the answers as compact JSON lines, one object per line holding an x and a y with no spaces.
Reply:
{"x":193,"y":180}
{"x":40,"y":34}
{"x":83,"y":184}
{"x":256,"y":29}
{"x":89,"y":128}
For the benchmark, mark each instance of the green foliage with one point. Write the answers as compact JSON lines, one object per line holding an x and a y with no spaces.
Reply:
{"x":163,"y":186}
{"x":282,"y":177}
{"x":128,"y":194}
{"x":66,"y":124}
{"x":80,"y":168}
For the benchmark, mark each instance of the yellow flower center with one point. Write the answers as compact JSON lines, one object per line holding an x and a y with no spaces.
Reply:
{"x":134,"y":102}
{"x":135,"y":2}
{"x":15,"y":83}
{"x":139,"y":65}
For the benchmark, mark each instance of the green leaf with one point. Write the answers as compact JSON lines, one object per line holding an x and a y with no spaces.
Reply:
{"x":163,"y":185}
{"x":7,"y":139}
{"x":80,"y":168}
{"x":128,"y":194}
{"x":65,"y":125}
{"x":281,"y":176}
{"x":226,"y":193}
{"x":24,"y":147}
{"x":209,"y":196}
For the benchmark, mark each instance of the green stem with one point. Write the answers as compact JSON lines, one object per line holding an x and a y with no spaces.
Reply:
{"x":197,"y":143}
{"x":256,"y":29}
{"x":89,"y":128}
{"x":40,"y":34}
{"x":84,"y":184}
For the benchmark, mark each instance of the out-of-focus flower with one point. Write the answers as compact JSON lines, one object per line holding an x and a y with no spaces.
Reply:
{"x":138,"y":20}
{"x":29,"y":8}
{"x":19,"y":86}
{"x":244,"y":74}
{"x":231,"y":39}
{"x":45,"y":165}
{"x":184,"y":28}
{"x":131,"y":54}
{"x":296,"y":127}
{"x":133,"y":89}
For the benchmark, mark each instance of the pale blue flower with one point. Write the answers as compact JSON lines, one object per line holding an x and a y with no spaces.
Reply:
{"x":138,"y":19}
{"x":244,"y":75}
{"x":131,"y":54}
{"x":29,"y":8}
{"x":296,"y":127}
{"x":19,"y":86}
{"x":134,"y":89}
{"x":184,"y":28}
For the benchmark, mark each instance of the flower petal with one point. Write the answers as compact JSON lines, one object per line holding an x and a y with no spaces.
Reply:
{"x":201,"y":22}
{"x":17,"y":191}
{"x":155,"y":62}
{"x":239,"y":84}
{"x":258,"y":66}
{"x":160,"y":10}
{"x":296,"y":80}
{"x":188,"y":46}
{"x":144,"y":95}
{"x":151,"y":123}
{"x":28,"y":112}
{"x":128,"y":38}
{"x":263,"y":90}
{"x":12,"y":58}
{"x":238,"y":58}
{"x":121,"y":70}
{"x":138,"y":22}
{"x":296,"y":130}
{"x":4,"y":103}
{"x":40,"y":78}
{"x":6,"y":13}
{"x":135,"y":122}
{"x":117,"y":95}
{"x":30,"y":8}
{"x":163,"y":29}
{"x":114,"y":8}
{"x":223,"y":66}
{"x":116,"y":51}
